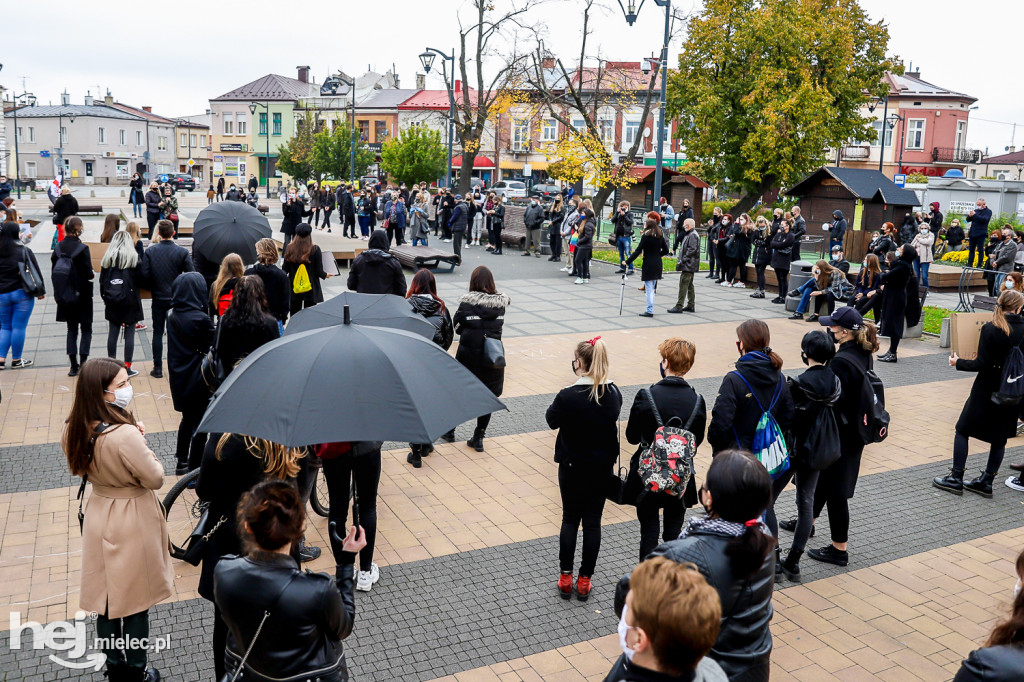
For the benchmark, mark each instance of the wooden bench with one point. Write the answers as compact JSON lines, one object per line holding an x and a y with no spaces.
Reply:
{"x":264,"y":209}
{"x":83,"y":208}
{"x":513,"y":232}
{"x":417,"y":257}
{"x":980,"y":302}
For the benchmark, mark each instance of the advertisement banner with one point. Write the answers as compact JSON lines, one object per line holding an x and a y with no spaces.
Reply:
{"x":218,"y":165}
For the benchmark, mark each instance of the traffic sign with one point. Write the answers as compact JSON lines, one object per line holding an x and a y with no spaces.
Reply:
{"x":191,"y":162}
{"x":163,"y":178}
{"x":45,"y":153}
{"x":900,"y":179}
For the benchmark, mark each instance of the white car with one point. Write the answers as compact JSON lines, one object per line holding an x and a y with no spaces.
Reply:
{"x":510,"y":188}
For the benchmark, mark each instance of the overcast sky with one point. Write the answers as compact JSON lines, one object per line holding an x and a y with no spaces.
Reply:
{"x":176,"y":57}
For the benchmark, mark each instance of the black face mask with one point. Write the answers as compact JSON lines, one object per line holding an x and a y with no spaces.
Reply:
{"x":803,"y":357}
{"x":661,"y":368}
{"x":575,"y":366}
{"x":831,"y":337}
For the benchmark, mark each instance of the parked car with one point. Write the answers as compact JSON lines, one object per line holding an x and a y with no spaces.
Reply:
{"x":510,"y":189}
{"x":180,"y":181}
{"x":545,"y":191}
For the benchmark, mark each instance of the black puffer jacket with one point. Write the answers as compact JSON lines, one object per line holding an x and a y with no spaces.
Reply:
{"x":376,"y":271}
{"x":480,"y":316}
{"x":277,"y":287}
{"x":782,"y":250}
{"x":744,"y":644}
{"x":992,"y":664}
{"x":161,"y":264}
{"x":310,"y":613}
{"x":437,"y":315}
{"x":189,"y":337}
{"x":738,"y":409}
{"x":762,"y":246}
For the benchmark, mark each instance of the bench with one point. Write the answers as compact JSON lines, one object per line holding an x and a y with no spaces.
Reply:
{"x":417,"y":257}
{"x":262,"y":208}
{"x":980,"y":302}
{"x":83,"y":208}
{"x":513,"y":232}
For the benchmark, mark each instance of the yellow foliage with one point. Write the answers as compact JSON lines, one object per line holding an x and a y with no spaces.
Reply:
{"x":581,"y":155}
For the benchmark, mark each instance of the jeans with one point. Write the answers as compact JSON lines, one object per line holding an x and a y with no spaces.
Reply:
{"x":190,"y":443}
{"x":995,"y":454}
{"x":997,"y":284}
{"x":647,"y":514}
{"x":650,"y":287}
{"x":421,"y":240}
{"x":160,"y":309}
{"x":136,"y":208}
{"x":15,"y":309}
{"x":806,"y":482}
{"x":832,"y":243}
{"x":805,"y":295}
{"x":280,"y":328}
{"x":134,"y":626}
{"x":73,"y":344}
{"x":339,"y":473}
{"x":921,"y":270}
{"x":478,"y":226}
{"x":582,"y":504}
{"x":625,"y":245}
{"x":976,"y":244}
{"x":113,"y":331}
{"x":686,"y":289}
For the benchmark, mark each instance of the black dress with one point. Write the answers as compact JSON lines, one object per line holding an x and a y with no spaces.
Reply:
{"x":980,"y":417}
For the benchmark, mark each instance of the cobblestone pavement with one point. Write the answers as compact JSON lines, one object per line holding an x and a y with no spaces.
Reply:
{"x":468,"y":544}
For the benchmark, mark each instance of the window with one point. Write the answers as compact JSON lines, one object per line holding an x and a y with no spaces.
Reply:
{"x":183,"y":140}
{"x":415,"y":124}
{"x":915,"y":133}
{"x":138,"y":138}
{"x":101,"y":135}
{"x":192,"y":140}
{"x":202,"y":140}
{"x":122,"y":137}
{"x":229,"y":123}
{"x":961,"y":132}
{"x":879,"y":126}
{"x":21,"y":136}
{"x":31,"y":134}
{"x":263,"y":123}
{"x":364,"y":131}
{"x":121,"y":172}
{"x":520,"y":134}
{"x":606,"y":127}
{"x":380,"y":130}
{"x":579,"y":124}
{"x":161,"y":143}
{"x":632,"y":130}
{"x":277,"y":124}
{"x":63,"y":135}
{"x":549,"y":133}
{"x":30,"y":169}
{"x":241,"y":124}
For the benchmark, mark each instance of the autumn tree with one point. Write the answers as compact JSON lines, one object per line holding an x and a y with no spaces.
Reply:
{"x":765,"y":87}
{"x":295,"y":157}
{"x":330,"y":154}
{"x":416,"y":155}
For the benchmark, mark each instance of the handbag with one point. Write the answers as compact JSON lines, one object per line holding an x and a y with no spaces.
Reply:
{"x":85,"y":477}
{"x":212,"y":370}
{"x":195,"y":549}
{"x":31,"y":281}
{"x":612,"y":240}
{"x":616,"y":491}
{"x":493,"y":353}
{"x":173,"y":217}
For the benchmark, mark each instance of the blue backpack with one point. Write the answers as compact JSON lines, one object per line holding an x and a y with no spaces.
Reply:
{"x":769,"y":444}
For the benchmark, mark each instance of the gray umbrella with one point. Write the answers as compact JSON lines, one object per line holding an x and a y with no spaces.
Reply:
{"x":375,"y":310}
{"x":347,"y":383}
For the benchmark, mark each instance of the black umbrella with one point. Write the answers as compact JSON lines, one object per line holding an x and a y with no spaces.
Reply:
{"x":229,"y":227}
{"x":375,"y":310}
{"x":347,"y":383}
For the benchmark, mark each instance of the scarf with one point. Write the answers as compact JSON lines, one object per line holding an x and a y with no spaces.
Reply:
{"x":720,"y":526}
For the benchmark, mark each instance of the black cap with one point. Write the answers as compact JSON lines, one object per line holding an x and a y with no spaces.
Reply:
{"x":846,"y":317}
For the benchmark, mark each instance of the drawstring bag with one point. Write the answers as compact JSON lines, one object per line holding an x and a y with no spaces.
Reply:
{"x":769,"y":444}
{"x":301,"y":283}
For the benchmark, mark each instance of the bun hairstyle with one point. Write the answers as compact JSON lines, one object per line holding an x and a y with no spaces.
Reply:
{"x":270,"y":516}
{"x":741,"y":490}
{"x":1009,"y":302}
{"x":755,"y":337}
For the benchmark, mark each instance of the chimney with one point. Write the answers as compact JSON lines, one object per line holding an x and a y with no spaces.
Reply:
{"x":303,"y":74}
{"x":65,"y":99}
{"x":458,"y":87}
{"x":396,"y":82}
{"x":108,"y":99}
{"x":88,"y":99}
{"x":148,"y":110}
{"x":421,"y":81}
{"x":547,"y":63}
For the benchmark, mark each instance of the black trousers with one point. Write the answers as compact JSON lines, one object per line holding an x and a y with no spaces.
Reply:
{"x":650,"y":521}
{"x":135,"y":626}
{"x":73,"y":344}
{"x":759,"y":270}
{"x":349,"y":228}
{"x":220,"y":642}
{"x":395,"y":234}
{"x":160,"y":309}
{"x":806,"y":482}
{"x":495,"y":238}
{"x":582,"y":493}
{"x":712,"y":258}
{"x":976,"y":244}
{"x":327,"y":216}
{"x":723,"y":260}
{"x":457,"y":237}
{"x":555,"y":240}
{"x":151,"y":220}
{"x":782,"y":275}
{"x":190,"y":443}
{"x":995,"y":454}
{"x":113,"y":331}
{"x":338,"y":473}
{"x":582,"y":261}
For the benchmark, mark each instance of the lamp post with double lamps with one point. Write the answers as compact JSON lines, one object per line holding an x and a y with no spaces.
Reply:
{"x":427,"y":60}
{"x":30,"y":99}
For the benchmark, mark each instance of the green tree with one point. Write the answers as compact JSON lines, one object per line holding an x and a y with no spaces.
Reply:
{"x":765,"y":87}
{"x":295,"y":157}
{"x":416,"y":155}
{"x":330,"y":153}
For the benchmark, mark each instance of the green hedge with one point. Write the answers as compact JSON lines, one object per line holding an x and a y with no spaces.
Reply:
{"x":667,"y":263}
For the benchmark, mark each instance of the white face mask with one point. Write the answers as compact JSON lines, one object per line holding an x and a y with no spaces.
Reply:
{"x":1008,"y":284}
{"x":623,"y":629}
{"x":1016,"y":589}
{"x":816,"y":272}
{"x":122,"y":396}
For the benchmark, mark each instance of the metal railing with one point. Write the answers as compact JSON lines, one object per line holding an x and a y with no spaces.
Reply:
{"x":966,"y":304}
{"x":956,"y":155}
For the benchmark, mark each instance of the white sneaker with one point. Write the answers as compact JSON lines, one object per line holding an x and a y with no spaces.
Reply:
{"x":469,"y":244}
{"x":1016,"y":483}
{"x":739,"y":285}
{"x":579,"y":280}
{"x":565,"y":269}
{"x":366,"y":579}
{"x":725,"y":284}
{"x":586,"y":281}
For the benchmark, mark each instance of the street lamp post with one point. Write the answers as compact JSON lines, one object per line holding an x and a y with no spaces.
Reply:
{"x":31,"y":100}
{"x":631,"y":10}
{"x":266,"y":161}
{"x":891,"y":120}
{"x":885,"y":116}
{"x":427,"y":60}
{"x":352,"y":131}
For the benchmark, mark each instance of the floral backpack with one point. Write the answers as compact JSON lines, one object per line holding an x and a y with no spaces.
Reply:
{"x":666,"y":465}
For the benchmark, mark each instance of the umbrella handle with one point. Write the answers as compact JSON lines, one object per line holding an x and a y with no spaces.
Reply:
{"x":355,"y":501}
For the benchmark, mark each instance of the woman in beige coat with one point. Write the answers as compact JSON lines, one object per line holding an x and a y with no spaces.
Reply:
{"x":126,"y":566}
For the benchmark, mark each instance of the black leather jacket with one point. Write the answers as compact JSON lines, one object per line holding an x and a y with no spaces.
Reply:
{"x":744,"y":644}
{"x":310,"y":613}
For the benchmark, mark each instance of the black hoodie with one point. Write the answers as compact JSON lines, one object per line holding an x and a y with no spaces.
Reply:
{"x":376,"y":271}
{"x":736,"y":412}
{"x":812,"y":391}
{"x":277,"y":287}
{"x":437,"y":315}
{"x":189,"y":337}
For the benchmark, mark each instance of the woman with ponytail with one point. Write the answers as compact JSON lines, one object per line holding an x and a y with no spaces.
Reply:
{"x":756,"y":386}
{"x":733,"y":552}
{"x":284,"y":623}
{"x":586,"y":415}
{"x":983,"y":418}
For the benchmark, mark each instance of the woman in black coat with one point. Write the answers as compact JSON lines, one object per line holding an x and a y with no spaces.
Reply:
{"x":673,"y":397}
{"x":64,"y":207}
{"x":293,"y":210}
{"x":122,"y":303}
{"x":585,"y":246}
{"x":480,"y":316}
{"x":494,"y":212}
{"x":762,"y":236}
{"x":189,"y":337}
{"x":135,"y":196}
{"x":652,"y":247}
{"x":154,"y":208}
{"x":586,"y":415}
{"x":781,"y":246}
{"x":900,"y":302}
{"x":247,"y":323}
{"x":277,"y":285}
{"x":303,"y":252}
{"x":77,"y":315}
{"x":982,"y":418}
{"x":737,"y":250}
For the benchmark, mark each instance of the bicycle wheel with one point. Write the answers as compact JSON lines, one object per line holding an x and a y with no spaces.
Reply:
{"x":182,"y":508}
{"x":319,"y":499}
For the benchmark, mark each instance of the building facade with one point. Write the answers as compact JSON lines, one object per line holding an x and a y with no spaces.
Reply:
{"x":192,"y":142}
{"x":1009,"y":166}
{"x":162,"y":157}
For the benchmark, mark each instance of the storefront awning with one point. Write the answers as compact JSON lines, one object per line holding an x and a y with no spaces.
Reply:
{"x":479,"y":162}
{"x":517,"y":165}
{"x":261,"y":155}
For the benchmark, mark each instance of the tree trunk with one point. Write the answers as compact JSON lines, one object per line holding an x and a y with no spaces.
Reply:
{"x":601,"y":197}
{"x":466,"y":172}
{"x":750,"y":199}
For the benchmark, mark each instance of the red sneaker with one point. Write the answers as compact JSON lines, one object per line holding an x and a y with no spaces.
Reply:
{"x":583,"y":588}
{"x":565,"y":585}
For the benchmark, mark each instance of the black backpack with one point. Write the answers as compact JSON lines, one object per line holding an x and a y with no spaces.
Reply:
{"x":64,"y":277}
{"x":1011,"y":385}
{"x":117,"y":289}
{"x":872,"y":418}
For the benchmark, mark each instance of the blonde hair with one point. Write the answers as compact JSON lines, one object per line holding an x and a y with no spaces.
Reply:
{"x":121,"y":253}
{"x":132,"y":228}
{"x":761,"y":222}
{"x":278,"y":461}
{"x":593,"y":357}
{"x":1009,"y":301}
{"x":266,"y":251}
{"x":231,"y":266}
